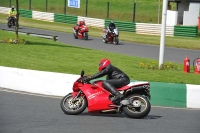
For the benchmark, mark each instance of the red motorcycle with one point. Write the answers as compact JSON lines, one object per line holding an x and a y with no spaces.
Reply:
{"x":135,"y":103}
{"x":81,"y":32}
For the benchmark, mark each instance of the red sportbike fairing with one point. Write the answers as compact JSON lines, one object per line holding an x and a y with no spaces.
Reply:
{"x":98,"y":100}
{"x":82,"y":32}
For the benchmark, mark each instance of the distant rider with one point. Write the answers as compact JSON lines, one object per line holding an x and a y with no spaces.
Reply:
{"x":12,"y":13}
{"x":79,"y":24}
{"x":110,"y":28}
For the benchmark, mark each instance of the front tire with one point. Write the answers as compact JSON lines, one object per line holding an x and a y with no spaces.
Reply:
{"x":86,"y":36}
{"x":116,"y":40}
{"x":73,"y":108}
{"x":75,"y":36}
{"x":105,"y":40}
{"x":138,"y":108}
{"x":9,"y":25}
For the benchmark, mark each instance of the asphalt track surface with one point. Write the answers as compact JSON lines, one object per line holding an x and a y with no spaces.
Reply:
{"x":133,"y":49}
{"x":25,"y":113}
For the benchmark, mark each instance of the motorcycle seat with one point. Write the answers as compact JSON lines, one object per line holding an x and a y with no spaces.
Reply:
{"x":133,"y":84}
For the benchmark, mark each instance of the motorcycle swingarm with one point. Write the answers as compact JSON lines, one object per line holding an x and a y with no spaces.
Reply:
{"x":147,"y":94}
{"x":125,"y":102}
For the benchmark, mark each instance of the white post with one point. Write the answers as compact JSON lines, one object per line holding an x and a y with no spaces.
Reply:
{"x":163,"y":28}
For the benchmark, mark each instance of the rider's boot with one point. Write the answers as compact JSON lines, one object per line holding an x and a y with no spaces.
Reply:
{"x":106,"y":37}
{"x":113,"y":91}
{"x":118,"y":97}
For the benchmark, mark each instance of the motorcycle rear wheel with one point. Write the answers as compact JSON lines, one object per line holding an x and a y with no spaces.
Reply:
{"x":73,"y":108}
{"x":139,"y":107}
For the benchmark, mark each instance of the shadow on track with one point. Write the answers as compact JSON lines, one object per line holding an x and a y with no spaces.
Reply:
{"x":113,"y":44}
{"x":149,"y":117}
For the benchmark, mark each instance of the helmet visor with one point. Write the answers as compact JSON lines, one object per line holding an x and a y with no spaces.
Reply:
{"x":100,"y":64}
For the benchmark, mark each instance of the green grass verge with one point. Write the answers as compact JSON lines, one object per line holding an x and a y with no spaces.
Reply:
{"x":178,"y":42}
{"x":47,"y":55}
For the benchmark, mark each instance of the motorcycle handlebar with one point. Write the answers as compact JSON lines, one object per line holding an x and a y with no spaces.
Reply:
{"x":83,"y":80}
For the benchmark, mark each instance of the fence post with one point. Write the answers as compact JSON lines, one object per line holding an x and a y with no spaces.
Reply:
{"x":159,"y":12}
{"x":86,"y":8}
{"x":46,"y":5}
{"x":29,"y":4}
{"x":65,"y":6}
{"x":108,"y":5}
{"x":134,"y":10}
{"x":10,"y":3}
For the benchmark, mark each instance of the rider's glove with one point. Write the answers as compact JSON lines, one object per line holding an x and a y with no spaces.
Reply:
{"x":87,"y":78}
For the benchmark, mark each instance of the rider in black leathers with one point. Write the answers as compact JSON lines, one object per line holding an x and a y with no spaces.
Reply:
{"x":110,"y":27}
{"x":115,"y":78}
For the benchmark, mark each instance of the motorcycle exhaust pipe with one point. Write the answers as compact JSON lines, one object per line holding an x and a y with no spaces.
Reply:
{"x":138,"y":88}
{"x":113,"y":105}
{"x":110,"y":110}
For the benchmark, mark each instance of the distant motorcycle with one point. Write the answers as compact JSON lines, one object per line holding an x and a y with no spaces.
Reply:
{"x":11,"y":21}
{"x":82,"y":32}
{"x":112,"y":36}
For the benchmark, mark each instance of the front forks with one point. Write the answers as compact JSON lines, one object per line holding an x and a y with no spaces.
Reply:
{"x":74,"y":99}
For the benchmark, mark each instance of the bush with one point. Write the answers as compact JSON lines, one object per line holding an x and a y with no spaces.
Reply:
{"x":13,"y":41}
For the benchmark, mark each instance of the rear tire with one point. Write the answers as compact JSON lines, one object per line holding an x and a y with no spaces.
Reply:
{"x":70,"y":108}
{"x":138,"y":102}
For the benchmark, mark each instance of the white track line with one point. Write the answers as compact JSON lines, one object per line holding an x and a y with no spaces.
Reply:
{"x":29,"y":93}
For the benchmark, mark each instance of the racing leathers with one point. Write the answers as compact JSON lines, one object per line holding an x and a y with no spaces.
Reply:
{"x":115,"y":79}
{"x":110,"y":29}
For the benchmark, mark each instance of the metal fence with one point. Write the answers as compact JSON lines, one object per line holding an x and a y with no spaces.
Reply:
{"x":143,"y":11}
{"x":139,"y":28}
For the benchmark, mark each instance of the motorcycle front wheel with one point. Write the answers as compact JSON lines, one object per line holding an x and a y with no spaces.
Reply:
{"x":116,"y":40}
{"x":75,"y":36}
{"x":73,"y":107}
{"x":86,"y":36}
{"x":138,"y":108}
{"x":9,"y":25}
